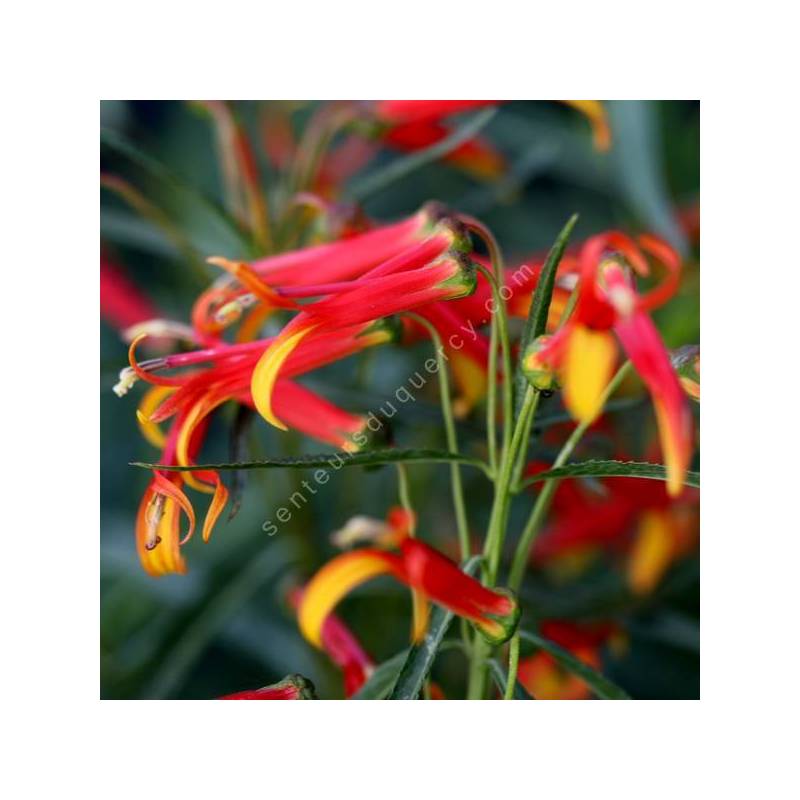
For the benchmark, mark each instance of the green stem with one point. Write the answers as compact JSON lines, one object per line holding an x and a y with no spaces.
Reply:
{"x":491,"y":399}
{"x":542,"y":504}
{"x":500,"y":319}
{"x":403,"y":491}
{"x":457,"y":487}
{"x":495,"y":536}
{"x":498,"y":330}
{"x":513,"y":665}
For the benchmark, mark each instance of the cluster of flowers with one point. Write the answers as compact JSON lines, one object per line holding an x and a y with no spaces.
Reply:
{"x":344,"y":296}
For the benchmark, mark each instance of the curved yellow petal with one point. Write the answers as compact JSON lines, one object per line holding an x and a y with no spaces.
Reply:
{"x":588,"y":365}
{"x":652,"y":552}
{"x":198,"y":412}
{"x":215,"y":509}
{"x":333,"y":582}
{"x":157,"y":535}
{"x":152,"y":399}
{"x":421,"y":613}
{"x":595,"y":112}
{"x":266,"y":373}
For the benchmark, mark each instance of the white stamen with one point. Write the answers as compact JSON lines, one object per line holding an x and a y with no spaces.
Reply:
{"x":127,"y":378}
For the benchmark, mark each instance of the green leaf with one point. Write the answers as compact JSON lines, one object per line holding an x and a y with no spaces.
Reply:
{"x":637,"y":156}
{"x":501,"y":678}
{"x":599,"y":684}
{"x":611,"y":469}
{"x":119,"y":144}
{"x":536,"y":322}
{"x":404,"y":166}
{"x":380,"y":683}
{"x":332,"y":461}
{"x":421,"y":656}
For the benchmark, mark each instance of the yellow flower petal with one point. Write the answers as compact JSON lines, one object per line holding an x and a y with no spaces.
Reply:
{"x":422,"y":610}
{"x":333,"y":582}
{"x":652,"y":552}
{"x":266,"y":373}
{"x":595,"y":112}
{"x":150,"y":402}
{"x":588,"y":366}
{"x":198,"y":412}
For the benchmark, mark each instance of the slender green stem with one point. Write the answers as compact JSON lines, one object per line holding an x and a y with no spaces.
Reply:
{"x":498,"y":331}
{"x":505,"y":348}
{"x":520,"y":460}
{"x":450,"y":434}
{"x":491,"y":399}
{"x":542,"y":504}
{"x":404,"y":492}
{"x":495,"y":536}
{"x":513,"y":666}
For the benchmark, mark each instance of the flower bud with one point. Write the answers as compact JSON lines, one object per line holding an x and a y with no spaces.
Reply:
{"x":539,"y":374}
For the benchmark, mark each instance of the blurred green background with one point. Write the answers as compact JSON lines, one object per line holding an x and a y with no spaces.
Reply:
{"x":224,"y":626}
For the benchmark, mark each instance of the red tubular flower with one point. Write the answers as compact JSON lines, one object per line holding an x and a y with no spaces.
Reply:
{"x":395,"y":286}
{"x":584,"y":350}
{"x":307,"y":412}
{"x":292,"y":687}
{"x":320,"y":266}
{"x":434,"y":576}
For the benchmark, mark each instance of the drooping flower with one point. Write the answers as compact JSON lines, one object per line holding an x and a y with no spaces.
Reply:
{"x":318,"y":267}
{"x":292,"y":687}
{"x":584,"y":351}
{"x":422,"y":568}
{"x":189,"y":398}
{"x":395,"y":286}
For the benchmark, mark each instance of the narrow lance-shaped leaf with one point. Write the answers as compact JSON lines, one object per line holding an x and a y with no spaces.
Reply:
{"x":383,"y":679}
{"x":119,"y":144}
{"x":599,"y":684}
{"x":331,"y":461}
{"x":611,"y":469}
{"x":420,"y":658}
{"x":536,"y":322}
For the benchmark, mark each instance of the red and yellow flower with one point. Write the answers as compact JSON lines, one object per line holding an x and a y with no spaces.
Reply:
{"x":494,"y":612}
{"x":584,"y":352}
